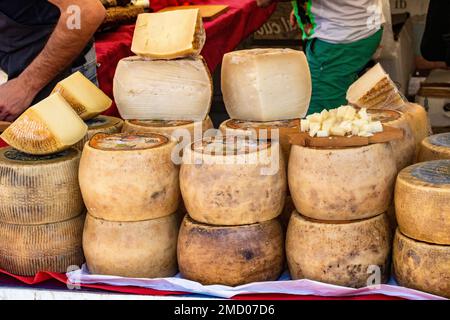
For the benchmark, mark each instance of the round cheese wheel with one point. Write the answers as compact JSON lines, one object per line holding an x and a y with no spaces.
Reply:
{"x":418,"y":120}
{"x":39,"y":189}
{"x":275,"y":130}
{"x":342,"y":184}
{"x":343,"y":253}
{"x":139,"y":249}
{"x":422,"y":266}
{"x":435,"y":147}
{"x":422,"y":201}
{"x":129,"y":177}
{"x":233,"y":181}
{"x":168,"y":127}
{"x":100,"y":124}
{"x":230,"y":255}
{"x":54,"y":247}
{"x":404,"y":149}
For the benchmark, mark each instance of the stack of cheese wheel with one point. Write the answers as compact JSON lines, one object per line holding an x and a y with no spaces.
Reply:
{"x":130,"y":187}
{"x":234,"y":190}
{"x":100,"y":124}
{"x":421,"y":252}
{"x":41,"y":212}
{"x":339,"y":232}
{"x":435,"y":147}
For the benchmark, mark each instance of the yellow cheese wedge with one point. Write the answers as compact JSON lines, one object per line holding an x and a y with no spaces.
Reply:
{"x":85,"y":98}
{"x":169,"y":35}
{"x":47,"y":127}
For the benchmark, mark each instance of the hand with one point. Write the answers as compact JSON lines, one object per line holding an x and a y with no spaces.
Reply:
{"x":293,"y":19}
{"x":263,"y":3}
{"x":15,"y":98}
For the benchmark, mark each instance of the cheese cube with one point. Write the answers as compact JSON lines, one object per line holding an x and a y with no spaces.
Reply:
{"x":338,"y":131}
{"x":314,"y":127}
{"x":304,"y":125}
{"x":323,"y":133}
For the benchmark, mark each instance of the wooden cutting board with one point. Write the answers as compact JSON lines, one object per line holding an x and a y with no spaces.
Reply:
{"x":4,"y":125}
{"x":208,"y":12}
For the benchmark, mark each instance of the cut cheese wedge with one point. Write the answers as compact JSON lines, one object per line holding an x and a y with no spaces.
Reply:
{"x":129,"y":177}
{"x":422,"y":201}
{"x":343,"y":254}
{"x":47,"y":127}
{"x":163,"y":90}
{"x":169,"y":35}
{"x":435,"y":147}
{"x":230,"y":255}
{"x":266,"y":84}
{"x":100,"y":124}
{"x":422,"y":266}
{"x":375,"y":89}
{"x":85,"y":98}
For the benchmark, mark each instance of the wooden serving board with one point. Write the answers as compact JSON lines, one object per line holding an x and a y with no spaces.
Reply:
{"x":4,"y":125}
{"x":303,"y":139}
{"x":208,"y":12}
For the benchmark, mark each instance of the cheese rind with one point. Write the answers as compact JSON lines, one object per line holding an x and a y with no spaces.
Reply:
{"x":418,"y":120}
{"x":232,"y":255}
{"x":266,"y":84}
{"x":342,"y":184}
{"x":169,"y":35}
{"x":338,"y":253}
{"x":100,"y":124}
{"x":126,"y":177}
{"x":435,"y":147}
{"x":39,"y":189}
{"x":140,"y":249}
{"x":422,"y":204}
{"x":28,"y":249}
{"x":83,"y":96}
{"x":163,"y":90}
{"x":48,"y":127}
{"x":422,"y":266}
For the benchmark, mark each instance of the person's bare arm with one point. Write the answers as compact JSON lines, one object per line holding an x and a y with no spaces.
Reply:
{"x":63,"y":47}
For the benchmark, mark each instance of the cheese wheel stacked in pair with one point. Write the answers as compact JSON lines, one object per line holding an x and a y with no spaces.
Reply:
{"x":233,"y":190}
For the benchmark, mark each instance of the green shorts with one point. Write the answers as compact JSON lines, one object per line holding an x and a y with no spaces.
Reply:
{"x":334,"y":67}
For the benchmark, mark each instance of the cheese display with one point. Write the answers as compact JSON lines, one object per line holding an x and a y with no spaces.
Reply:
{"x":342,"y":184}
{"x":275,"y":130}
{"x":140,"y":249}
{"x":163,"y":90}
{"x":47,"y":127}
{"x":230,"y":181}
{"x":418,"y":121}
{"x":54,"y":247}
{"x":230,"y":255}
{"x":169,"y":35}
{"x":84,"y":97}
{"x":39,"y":189}
{"x":100,"y":124}
{"x":129,"y":177}
{"x":342,"y":121}
{"x":422,"y":266}
{"x":266,"y":84}
{"x":405,"y":148}
{"x":422,"y":201}
{"x":375,"y":89}
{"x":435,"y":147}
{"x":343,"y":253}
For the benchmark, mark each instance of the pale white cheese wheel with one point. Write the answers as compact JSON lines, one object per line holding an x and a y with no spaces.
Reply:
{"x":100,"y":124}
{"x":435,"y":147}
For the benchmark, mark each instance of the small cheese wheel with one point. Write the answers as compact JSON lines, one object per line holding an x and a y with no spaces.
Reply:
{"x":418,"y":120}
{"x":342,"y":184}
{"x":341,"y":253}
{"x":275,"y":130}
{"x":422,"y":266}
{"x":230,"y":255}
{"x":422,"y":201}
{"x":100,"y":124}
{"x":405,"y":148}
{"x":129,"y":177}
{"x":435,"y":147}
{"x":231,"y":181}
{"x":28,"y":249}
{"x":39,"y":189}
{"x":139,"y":249}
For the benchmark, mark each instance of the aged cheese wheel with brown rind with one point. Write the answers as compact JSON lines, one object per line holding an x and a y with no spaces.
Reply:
{"x":54,"y":247}
{"x":39,"y":189}
{"x":230,"y":255}
{"x":435,"y":147}
{"x":422,"y":201}
{"x":418,"y":120}
{"x":342,"y":184}
{"x":422,"y":266}
{"x":341,"y":253}
{"x":233,"y":181}
{"x":138,"y":249}
{"x":129,"y":177}
{"x":100,"y":124}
